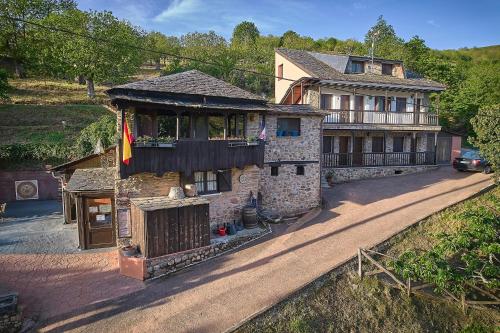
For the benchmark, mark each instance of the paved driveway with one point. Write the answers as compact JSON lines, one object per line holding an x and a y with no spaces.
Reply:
{"x":218,"y":294}
{"x":39,"y":259}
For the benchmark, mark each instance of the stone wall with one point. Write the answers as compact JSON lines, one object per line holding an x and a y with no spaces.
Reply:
{"x":227,"y":206}
{"x":11,"y":323}
{"x":288,"y":192}
{"x":342,"y":175}
{"x":168,"y":264}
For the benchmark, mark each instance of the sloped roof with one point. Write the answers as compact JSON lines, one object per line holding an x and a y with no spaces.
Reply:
{"x":72,"y":163}
{"x":328,"y":67}
{"x":192,"y":82}
{"x":96,"y":179}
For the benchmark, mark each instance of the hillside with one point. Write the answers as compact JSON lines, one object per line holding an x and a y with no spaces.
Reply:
{"x":477,"y":54}
{"x":341,"y":302}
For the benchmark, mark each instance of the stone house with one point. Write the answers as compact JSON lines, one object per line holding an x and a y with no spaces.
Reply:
{"x":192,"y":130}
{"x":380,"y":119}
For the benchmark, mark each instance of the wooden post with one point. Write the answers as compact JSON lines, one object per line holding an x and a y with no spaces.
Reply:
{"x":177,"y":126}
{"x":435,"y":146}
{"x":225,"y":126}
{"x":302,"y":93}
{"x":408,"y":287}
{"x":360,"y":260}
{"x":385,"y":148}
{"x":387,"y":106}
{"x":413,"y":148}
{"x":464,"y":305}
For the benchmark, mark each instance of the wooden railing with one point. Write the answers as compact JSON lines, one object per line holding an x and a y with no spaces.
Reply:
{"x":340,"y":160}
{"x":188,"y":156}
{"x":380,"y":117}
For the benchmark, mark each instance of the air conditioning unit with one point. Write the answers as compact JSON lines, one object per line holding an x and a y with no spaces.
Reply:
{"x":26,"y":189}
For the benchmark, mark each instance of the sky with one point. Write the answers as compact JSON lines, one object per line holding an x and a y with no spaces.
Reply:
{"x":442,"y":24}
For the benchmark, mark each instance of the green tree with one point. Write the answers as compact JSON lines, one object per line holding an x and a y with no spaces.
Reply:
{"x":245,"y":34}
{"x":92,"y":58}
{"x":161,"y":43}
{"x":486,"y":125}
{"x":4,"y":84}
{"x":104,"y":129}
{"x":15,"y":36}
{"x":386,"y":43}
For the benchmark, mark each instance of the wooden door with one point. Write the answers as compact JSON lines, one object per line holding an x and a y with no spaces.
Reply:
{"x":343,"y":150}
{"x":357,"y":151}
{"x":99,"y":222}
{"x":359,"y":106}
{"x":443,"y":153}
{"x":345,"y":106}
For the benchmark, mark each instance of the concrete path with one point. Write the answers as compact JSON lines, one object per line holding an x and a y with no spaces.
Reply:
{"x":39,"y":258}
{"x":218,"y":294}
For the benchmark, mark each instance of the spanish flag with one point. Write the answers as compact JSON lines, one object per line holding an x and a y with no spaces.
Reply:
{"x":127,"y":141}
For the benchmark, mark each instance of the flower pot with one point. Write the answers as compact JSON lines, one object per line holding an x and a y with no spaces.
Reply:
{"x":166,"y":145}
{"x":129,"y":251}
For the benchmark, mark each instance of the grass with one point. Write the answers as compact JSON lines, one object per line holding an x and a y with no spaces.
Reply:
{"x":54,"y":92}
{"x":341,"y":302}
{"x":43,"y":123}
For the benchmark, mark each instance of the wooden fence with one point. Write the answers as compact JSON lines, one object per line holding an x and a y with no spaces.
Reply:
{"x":416,"y":287}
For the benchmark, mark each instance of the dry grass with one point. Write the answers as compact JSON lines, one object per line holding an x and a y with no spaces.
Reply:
{"x":35,"y":91}
{"x":341,"y":302}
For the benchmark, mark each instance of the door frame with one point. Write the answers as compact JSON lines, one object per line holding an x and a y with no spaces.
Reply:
{"x":83,"y":223}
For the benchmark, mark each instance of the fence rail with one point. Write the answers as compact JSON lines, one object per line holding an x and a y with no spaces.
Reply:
{"x":414,"y":287}
{"x":380,"y":117}
{"x":340,"y":160}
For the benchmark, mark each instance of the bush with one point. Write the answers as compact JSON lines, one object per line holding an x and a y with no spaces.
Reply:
{"x":4,"y":84}
{"x":104,"y":129}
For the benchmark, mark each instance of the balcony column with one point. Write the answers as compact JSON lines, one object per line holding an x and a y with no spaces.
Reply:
{"x":351,"y":149}
{"x":177,"y":126}
{"x":121,"y":166}
{"x":385,"y":147}
{"x":386,"y":107}
{"x":413,"y":148}
{"x":416,"y":113}
{"x":437,"y":107}
{"x":435,"y":146}
{"x":225,"y":126}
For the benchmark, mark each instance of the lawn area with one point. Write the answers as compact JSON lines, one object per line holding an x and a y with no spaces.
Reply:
{"x":36,"y":91}
{"x":43,"y":123}
{"x":341,"y":302}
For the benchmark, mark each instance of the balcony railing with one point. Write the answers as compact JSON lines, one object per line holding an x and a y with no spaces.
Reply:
{"x":341,"y":160}
{"x":380,"y":117}
{"x":188,"y":156}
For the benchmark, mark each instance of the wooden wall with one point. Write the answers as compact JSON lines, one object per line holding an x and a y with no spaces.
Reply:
{"x":166,"y":231}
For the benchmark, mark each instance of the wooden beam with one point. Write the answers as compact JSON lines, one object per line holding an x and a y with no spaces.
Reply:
{"x":373,"y":261}
{"x":177,"y":126}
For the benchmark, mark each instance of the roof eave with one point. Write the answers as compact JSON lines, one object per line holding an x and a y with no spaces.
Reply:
{"x":381,"y":85}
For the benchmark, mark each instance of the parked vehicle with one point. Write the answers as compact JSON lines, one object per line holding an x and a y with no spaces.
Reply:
{"x":472,"y":161}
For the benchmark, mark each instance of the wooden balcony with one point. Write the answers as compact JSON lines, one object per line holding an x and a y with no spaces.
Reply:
{"x":380,"y":117}
{"x":341,"y":160}
{"x":188,"y":156}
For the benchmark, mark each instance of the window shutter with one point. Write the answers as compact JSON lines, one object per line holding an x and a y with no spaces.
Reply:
{"x":224,"y":180}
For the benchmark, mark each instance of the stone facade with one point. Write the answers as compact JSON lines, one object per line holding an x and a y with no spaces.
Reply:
{"x":11,"y":323}
{"x":289,"y":192}
{"x":342,"y":175}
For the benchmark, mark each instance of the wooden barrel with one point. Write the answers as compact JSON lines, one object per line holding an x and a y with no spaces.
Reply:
{"x":250,"y":217}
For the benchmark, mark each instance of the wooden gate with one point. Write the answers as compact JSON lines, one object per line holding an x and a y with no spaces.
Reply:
{"x":443,"y":152}
{"x":170,"y":227}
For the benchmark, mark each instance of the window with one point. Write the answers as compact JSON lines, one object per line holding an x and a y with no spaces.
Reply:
{"x":398,"y":144}
{"x":216,"y":127}
{"x":418,"y":105}
{"x":288,"y":127}
{"x":387,"y":69}
{"x":379,"y":103}
{"x":280,"y":72}
{"x":236,"y":126}
{"x":377,"y":144}
{"x":300,"y":170}
{"x":274,"y":171}
{"x":400,"y":104}
{"x":357,"y":67}
{"x":210,"y":182}
{"x":328,"y":144}
{"x":167,"y":126}
{"x":326,"y":101}
{"x":144,"y":125}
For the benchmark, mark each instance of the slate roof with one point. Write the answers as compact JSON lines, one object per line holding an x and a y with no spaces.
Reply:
{"x":155,"y":203}
{"x":96,"y":179}
{"x":326,"y":67}
{"x":192,"y":82}
{"x":64,"y":166}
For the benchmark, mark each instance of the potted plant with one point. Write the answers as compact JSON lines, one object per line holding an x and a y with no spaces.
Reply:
{"x":165,"y":141}
{"x":144,"y":141}
{"x":329,"y":178}
{"x":252,"y":141}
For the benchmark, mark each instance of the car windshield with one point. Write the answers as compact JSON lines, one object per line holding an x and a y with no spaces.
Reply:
{"x":471,"y":155}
